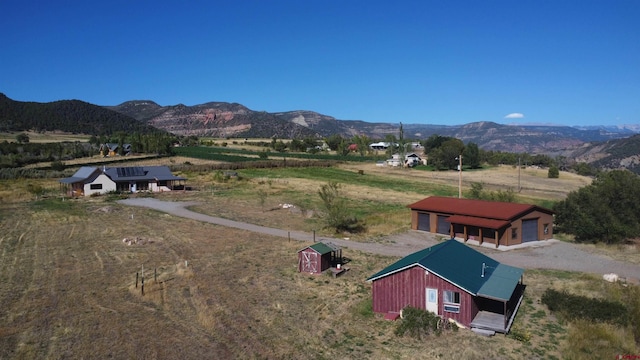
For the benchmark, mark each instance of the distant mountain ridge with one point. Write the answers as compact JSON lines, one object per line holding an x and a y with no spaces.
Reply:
{"x":605,"y":146}
{"x":235,"y":120}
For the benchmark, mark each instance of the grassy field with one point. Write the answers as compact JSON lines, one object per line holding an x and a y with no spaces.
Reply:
{"x":67,"y":279}
{"x":45,"y":137}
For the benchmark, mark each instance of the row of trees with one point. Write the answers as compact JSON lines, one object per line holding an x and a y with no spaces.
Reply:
{"x":18,"y":154}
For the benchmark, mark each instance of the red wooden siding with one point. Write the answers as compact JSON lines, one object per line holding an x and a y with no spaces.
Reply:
{"x":408,"y":288}
{"x":488,"y":235}
{"x":321,"y":263}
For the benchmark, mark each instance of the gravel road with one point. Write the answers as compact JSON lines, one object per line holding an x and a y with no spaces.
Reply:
{"x":544,"y":255}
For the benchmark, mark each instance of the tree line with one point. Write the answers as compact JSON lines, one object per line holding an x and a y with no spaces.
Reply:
{"x":22,"y":152}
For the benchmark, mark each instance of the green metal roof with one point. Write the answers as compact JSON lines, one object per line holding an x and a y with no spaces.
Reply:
{"x":463,"y":266}
{"x":321,"y":248}
{"x":496,"y":285}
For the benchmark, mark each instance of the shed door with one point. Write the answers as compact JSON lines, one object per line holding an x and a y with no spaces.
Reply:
{"x":443,"y":225}
{"x":529,"y":230}
{"x":432,"y":300}
{"x":309,"y":262}
{"x":424,"y":222}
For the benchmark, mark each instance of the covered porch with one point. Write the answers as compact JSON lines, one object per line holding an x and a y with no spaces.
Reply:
{"x":497,"y":315}
{"x":481,"y":229}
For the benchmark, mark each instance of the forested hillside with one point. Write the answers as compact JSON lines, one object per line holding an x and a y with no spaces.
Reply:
{"x":73,"y":116}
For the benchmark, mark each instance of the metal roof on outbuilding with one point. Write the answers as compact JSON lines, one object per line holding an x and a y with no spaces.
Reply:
{"x":476,"y":208}
{"x":322,"y":248}
{"x":479,"y":222}
{"x":462,"y":266}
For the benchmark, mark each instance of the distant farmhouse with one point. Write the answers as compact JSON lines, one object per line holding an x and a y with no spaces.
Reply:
{"x":453,"y":281}
{"x":113,"y":149}
{"x":93,"y":180}
{"x":497,"y":223}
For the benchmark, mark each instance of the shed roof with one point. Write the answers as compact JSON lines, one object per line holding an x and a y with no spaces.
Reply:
{"x":478,"y":208}
{"x":322,"y":248}
{"x":464,"y":267}
{"x":479,"y":222}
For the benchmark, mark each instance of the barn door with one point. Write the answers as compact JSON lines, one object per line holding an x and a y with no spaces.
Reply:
{"x":443,"y":225}
{"x":529,"y":230}
{"x":432,"y":300}
{"x":424,"y":222}
{"x":310,"y":262}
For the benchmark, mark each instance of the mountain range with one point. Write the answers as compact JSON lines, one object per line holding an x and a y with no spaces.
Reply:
{"x":606,"y":146}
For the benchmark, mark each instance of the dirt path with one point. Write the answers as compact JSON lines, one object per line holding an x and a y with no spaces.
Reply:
{"x":552,"y":255}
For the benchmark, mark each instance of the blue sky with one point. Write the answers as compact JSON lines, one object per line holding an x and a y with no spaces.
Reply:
{"x":435,"y":62}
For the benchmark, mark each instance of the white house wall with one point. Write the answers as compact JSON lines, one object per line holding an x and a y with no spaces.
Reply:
{"x":107,"y":185}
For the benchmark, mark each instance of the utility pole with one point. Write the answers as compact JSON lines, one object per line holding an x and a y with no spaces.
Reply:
{"x":460,"y":176}
{"x":519,"y":188}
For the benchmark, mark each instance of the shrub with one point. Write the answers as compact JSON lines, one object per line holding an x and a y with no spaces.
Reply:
{"x":337,"y":215}
{"x":58,"y":165}
{"x":418,"y":323}
{"x":519,"y":334}
{"x":553,"y":173}
{"x":572,"y":307}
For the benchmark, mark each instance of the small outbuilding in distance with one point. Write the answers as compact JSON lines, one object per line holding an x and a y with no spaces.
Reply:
{"x":320,"y":257}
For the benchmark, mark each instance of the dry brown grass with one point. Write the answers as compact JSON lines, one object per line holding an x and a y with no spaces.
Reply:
{"x":67,"y":281}
{"x":67,"y":285}
{"x":533,"y":181}
{"x":45,"y":137}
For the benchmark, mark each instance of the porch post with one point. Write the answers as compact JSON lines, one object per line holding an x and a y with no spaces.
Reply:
{"x":506,"y":320}
{"x":481,"y":237}
{"x":466,"y":236}
{"x":496,"y":238}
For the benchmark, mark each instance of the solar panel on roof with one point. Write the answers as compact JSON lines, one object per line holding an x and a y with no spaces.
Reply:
{"x":130,"y":171}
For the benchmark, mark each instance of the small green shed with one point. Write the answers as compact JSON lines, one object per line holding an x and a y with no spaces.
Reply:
{"x":316,"y":258}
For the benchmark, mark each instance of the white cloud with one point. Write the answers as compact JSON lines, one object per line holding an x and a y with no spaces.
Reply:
{"x":514,"y":116}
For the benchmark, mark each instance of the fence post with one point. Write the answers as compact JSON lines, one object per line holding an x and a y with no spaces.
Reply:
{"x":136,"y":279}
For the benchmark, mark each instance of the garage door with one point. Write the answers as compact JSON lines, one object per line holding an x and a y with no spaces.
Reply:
{"x":443,"y":225}
{"x":529,"y":230}
{"x":424,"y":222}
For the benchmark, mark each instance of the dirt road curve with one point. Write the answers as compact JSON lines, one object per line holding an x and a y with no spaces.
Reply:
{"x":555,"y":255}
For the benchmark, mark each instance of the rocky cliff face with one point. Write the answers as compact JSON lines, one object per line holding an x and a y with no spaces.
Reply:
{"x":216,"y":119}
{"x":220,"y":119}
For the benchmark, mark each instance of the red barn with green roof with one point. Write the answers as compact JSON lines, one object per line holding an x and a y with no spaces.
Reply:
{"x":453,"y":281}
{"x":494,"y":222}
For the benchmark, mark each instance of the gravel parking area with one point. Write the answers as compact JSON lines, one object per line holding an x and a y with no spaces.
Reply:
{"x":542,"y":255}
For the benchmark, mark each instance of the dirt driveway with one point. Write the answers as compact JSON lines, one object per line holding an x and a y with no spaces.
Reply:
{"x":549,"y":255}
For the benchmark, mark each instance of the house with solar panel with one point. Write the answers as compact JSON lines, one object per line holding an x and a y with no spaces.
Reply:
{"x":453,"y":281}
{"x":94,"y":180}
{"x":483,"y":222}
